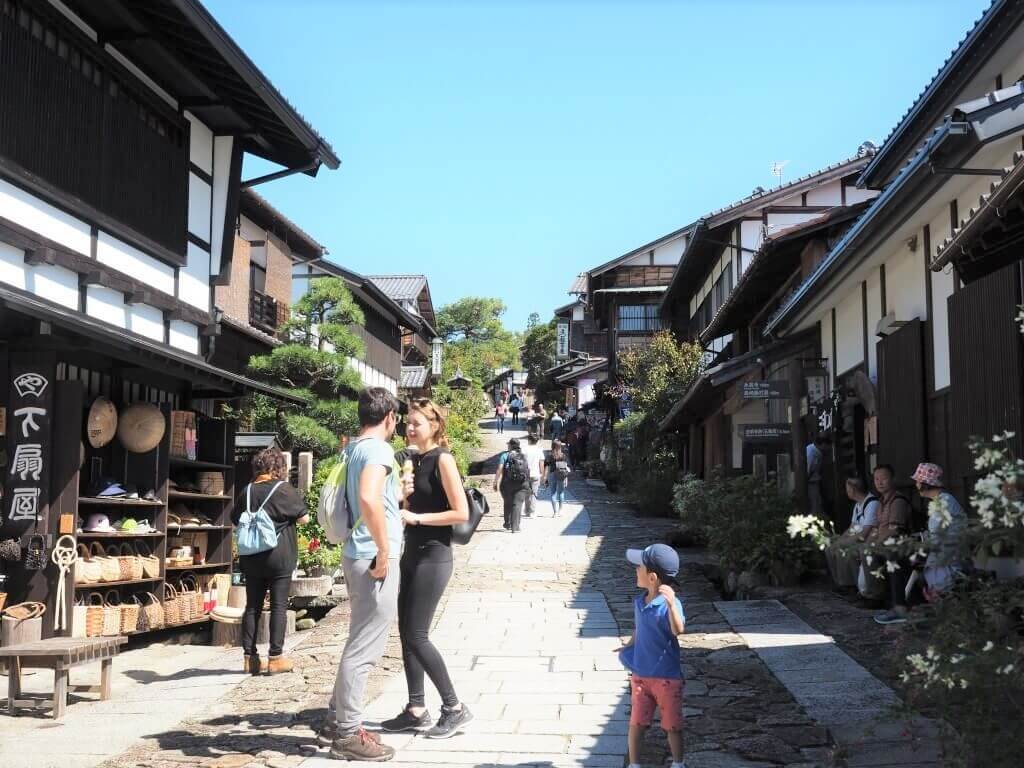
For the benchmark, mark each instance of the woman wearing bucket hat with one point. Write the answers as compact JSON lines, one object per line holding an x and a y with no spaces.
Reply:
{"x":947,"y":521}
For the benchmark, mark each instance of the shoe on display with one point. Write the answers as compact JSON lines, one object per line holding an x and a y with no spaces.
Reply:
{"x":450,"y":722}
{"x":361,"y":746}
{"x":407,"y":721}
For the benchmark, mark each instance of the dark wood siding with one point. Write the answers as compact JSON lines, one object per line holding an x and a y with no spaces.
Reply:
{"x":383,"y":340}
{"x":901,"y":404}
{"x":985,"y":366}
{"x":76,"y":120}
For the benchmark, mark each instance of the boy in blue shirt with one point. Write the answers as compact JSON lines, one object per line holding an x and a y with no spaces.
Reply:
{"x":652,"y":654}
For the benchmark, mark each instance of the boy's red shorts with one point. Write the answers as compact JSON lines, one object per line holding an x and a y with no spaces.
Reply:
{"x":664,"y":693}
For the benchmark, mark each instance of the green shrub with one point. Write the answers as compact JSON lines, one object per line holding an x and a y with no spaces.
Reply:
{"x":644,"y":462}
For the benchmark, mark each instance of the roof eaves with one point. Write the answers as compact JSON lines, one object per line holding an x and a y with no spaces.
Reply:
{"x":637,"y":251}
{"x":1000,"y":18}
{"x":258,"y":208}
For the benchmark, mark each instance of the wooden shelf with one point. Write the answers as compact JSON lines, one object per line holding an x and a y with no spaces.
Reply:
{"x":173,"y":529}
{"x":201,"y":620}
{"x":117,"y":535}
{"x":183,"y":463}
{"x":99,"y":585}
{"x":93,"y":501}
{"x":186,"y":495}
{"x":206,"y":567}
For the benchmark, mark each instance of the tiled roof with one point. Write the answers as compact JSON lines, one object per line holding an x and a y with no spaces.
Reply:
{"x":400,"y":287}
{"x":413,"y":377}
{"x":579,"y":283}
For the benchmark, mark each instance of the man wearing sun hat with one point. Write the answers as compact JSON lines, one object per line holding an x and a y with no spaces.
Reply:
{"x":947,"y":521}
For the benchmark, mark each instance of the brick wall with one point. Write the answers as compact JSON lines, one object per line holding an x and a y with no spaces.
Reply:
{"x":233,"y":298}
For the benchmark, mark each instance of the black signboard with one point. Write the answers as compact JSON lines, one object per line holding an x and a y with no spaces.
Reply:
{"x":766,"y":432}
{"x":765,"y":390}
{"x":27,"y":474}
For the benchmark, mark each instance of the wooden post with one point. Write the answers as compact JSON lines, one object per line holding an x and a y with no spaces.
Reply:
{"x":305,"y":471}
{"x":796,"y":389}
{"x":60,"y":690}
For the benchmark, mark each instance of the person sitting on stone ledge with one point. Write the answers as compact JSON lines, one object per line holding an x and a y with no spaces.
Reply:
{"x":842,"y":556}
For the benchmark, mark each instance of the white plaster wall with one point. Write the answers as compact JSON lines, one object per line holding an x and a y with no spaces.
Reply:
{"x":904,"y":283}
{"x":777,"y":221}
{"x":219,"y":198}
{"x":146,"y":321}
{"x":826,"y":339}
{"x":854,"y":195}
{"x":12,"y":266}
{"x":874,"y":282}
{"x":850,"y":330}
{"x":106,"y":304}
{"x":826,"y":194}
{"x":55,"y":283}
{"x":32,"y":213}
{"x":577,"y":313}
{"x":249,"y":230}
{"x":134,"y":263}
{"x":198,"y":207}
{"x":194,"y":278}
{"x":693,"y":306}
{"x":641,"y":259}
{"x":670,"y":252}
{"x":258,"y":255}
{"x":184,"y":336}
{"x":585,"y":390}
{"x":200,"y":147}
{"x":942,"y":289}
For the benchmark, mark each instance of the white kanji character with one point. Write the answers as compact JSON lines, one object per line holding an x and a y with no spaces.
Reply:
{"x":30,"y":419}
{"x":24,"y":504}
{"x":28,"y":460}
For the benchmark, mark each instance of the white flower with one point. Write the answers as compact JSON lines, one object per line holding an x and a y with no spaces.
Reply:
{"x":891,"y":567}
{"x":1005,"y":670}
{"x":989,"y":646}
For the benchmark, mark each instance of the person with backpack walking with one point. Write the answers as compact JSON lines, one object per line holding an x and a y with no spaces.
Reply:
{"x":556,"y":475}
{"x":513,"y":480}
{"x":265,"y":518}
{"x":437,"y":502}
{"x":370,"y":492}
{"x":500,"y":410}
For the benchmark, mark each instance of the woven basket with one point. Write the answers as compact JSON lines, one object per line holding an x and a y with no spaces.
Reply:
{"x":3,"y":599}
{"x":130,"y":615}
{"x":131,"y":563}
{"x":195,"y":594}
{"x":94,"y":615}
{"x":211,"y":483}
{"x":87,"y":568}
{"x":110,"y":567}
{"x":150,"y":562}
{"x":111,"y":614}
{"x":152,"y":614}
{"x":186,"y":601}
{"x":172,"y":606}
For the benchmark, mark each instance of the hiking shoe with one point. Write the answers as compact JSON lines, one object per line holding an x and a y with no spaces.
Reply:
{"x":407,"y":721}
{"x":278,"y":664}
{"x":451,"y":722}
{"x":891,"y":617}
{"x":361,"y":746}
{"x":327,"y":734}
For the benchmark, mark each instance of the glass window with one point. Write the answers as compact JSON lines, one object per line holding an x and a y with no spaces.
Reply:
{"x":639,"y":318}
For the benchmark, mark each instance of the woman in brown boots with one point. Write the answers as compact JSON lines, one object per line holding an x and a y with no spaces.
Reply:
{"x":270,"y":571}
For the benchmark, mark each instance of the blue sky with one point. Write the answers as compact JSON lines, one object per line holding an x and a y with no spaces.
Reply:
{"x":502,"y":147}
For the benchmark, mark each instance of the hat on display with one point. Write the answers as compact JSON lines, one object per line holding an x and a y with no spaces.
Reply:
{"x":101,"y":423}
{"x":660,"y":558}
{"x":928,"y":474}
{"x":127,"y":524}
{"x":98,"y":522}
{"x":141,"y":427}
{"x":107,"y":487}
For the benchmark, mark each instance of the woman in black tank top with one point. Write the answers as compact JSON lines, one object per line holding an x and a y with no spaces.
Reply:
{"x":438,"y":501}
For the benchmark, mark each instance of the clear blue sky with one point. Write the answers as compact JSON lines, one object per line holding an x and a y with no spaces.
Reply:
{"x":502,"y":147}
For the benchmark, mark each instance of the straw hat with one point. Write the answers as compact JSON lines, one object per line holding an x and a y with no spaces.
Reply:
{"x":141,"y":427}
{"x":101,"y":424}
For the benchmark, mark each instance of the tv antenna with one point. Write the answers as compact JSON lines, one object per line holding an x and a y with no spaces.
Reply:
{"x":777,"y":168}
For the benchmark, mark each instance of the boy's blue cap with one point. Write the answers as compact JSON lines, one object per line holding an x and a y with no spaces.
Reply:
{"x":660,"y":558}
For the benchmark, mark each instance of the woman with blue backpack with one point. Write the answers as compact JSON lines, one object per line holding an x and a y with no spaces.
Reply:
{"x":265,"y":517}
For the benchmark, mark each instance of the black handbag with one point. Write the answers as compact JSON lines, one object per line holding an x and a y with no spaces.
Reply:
{"x":478,"y":507}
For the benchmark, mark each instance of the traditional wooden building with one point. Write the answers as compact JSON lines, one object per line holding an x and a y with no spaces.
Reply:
{"x":920,"y":296}
{"x":739,"y":263}
{"x":122,"y":135}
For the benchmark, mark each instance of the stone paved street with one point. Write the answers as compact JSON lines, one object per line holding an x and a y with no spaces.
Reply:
{"x":528,"y":626}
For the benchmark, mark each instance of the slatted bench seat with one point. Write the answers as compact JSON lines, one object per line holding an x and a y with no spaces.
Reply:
{"x":60,"y":654}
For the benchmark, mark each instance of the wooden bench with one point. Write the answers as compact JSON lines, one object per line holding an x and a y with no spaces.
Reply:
{"x":60,"y":654}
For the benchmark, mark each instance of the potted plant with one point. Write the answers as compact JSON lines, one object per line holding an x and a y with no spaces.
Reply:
{"x":318,"y":559}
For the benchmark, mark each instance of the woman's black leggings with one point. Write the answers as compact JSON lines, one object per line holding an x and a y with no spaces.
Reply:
{"x":424,"y":580}
{"x":257,"y":584}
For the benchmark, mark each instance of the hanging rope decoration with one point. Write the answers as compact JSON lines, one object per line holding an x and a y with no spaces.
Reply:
{"x":64,"y":555}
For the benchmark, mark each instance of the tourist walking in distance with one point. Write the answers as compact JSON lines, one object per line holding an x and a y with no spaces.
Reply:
{"x":500,"y":411}
{"x":513,"y":480}
{"x":270,"y":570}
{"x":535,"y":467}
{"x":556,"y":475}
{"x":557,"y":424}
{"x":437,"y":501}
{"x":515,"y":404}
{"x":370,"y":563}
{"x":652,"y":654}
